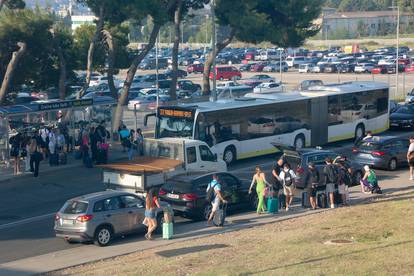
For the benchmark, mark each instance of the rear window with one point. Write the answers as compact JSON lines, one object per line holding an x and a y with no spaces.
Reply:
{"x":369,"y":146}
{"x":178,"y":186}
{"x":293,"y":161}
{"x":75,"y":207}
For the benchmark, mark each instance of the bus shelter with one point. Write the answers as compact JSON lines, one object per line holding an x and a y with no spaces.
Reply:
{"x":71,"y":114}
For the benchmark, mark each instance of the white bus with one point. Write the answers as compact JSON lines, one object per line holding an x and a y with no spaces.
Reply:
{"x":246,"y":127}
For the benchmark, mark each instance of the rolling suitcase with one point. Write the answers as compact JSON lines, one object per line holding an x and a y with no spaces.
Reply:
{"x":337,"y":198}
{"x":63,"y":159}
{"x":102,"y":157}
{"x":167,"y":230}
{"x":272,"y":205}
{"x":282,"y":201}
{"x":305,"y":200}
{"x":322,"y":200}
{"x":220,"y":215}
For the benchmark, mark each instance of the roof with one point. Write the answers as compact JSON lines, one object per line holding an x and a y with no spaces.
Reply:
{"x":256,"y":99}
{"x":150,"y":165}
{"x":363,"y":14}
{"x":380,"y":139}
{"x":99,"y":195}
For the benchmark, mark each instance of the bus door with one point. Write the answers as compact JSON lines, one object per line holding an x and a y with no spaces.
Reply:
{"x":319,"y":121}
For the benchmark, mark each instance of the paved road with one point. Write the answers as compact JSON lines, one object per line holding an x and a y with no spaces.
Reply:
{"x":27,"y":207}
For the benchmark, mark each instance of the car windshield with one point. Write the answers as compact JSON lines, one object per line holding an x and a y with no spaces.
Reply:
{"x":75,"y":207}
{"x":405,"y":110}
{"x":367,"y":145}
{"x":175,"y":127}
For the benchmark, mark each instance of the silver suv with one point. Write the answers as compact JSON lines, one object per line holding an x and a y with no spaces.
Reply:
{"x":101,"y":216}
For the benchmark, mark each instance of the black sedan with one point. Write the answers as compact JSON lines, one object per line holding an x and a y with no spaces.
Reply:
{"x":403,"y":117}
{"x":180,"y":73}
{"x":187,"y":194}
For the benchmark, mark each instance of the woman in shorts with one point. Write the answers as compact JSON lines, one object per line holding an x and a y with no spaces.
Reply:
{"x":151,"y":205}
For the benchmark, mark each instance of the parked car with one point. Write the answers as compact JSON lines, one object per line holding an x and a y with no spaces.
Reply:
{"x":148,"y":102}
{"x":403,"y":117}
{"x":299,"y":160}
{"x":409,"y":68}
{"x":255,"y":80}
{"x":319,"y":68}
{"x":246,"y":67}
{"x":380,"y":69}
{"x":296,"y":61}
{"x":391,"y":68}
{"x":187,"y":193}
{"x":305,"y":68}
{"x":258,"y":67}
{"x":102,"y":216}
{"x":180,"y":73}
{"x":188,"y":85}
{"x":304,"y":85}
{"x":276,"y":67}
{"x":226,"y":73}
{"x":364,"y":67}
{"x":410,"y":97}
{"x":331,"y":68}
{"x":195,"y":68}
{"x":268,"y":87}
{"x":386,"y":152}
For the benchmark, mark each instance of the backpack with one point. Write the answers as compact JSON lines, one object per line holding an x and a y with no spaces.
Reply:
{"x":346,"y":177}
{"x":288,"y":179}
{"x":210,"y":193}
{"x":332,"y":174}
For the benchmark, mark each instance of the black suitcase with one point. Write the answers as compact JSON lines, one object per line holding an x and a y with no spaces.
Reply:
{"x":305,"y":200}
{"x":102,"y":156}
{"x":322,"y":200}
{"x":337,"y":198}
{"x":282,"y":201}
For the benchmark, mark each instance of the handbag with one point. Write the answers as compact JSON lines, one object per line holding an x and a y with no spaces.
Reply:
{"x":104,"y":146}
{"x":23,"y":153}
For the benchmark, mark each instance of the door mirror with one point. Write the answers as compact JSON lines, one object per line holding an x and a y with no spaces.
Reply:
{"x":139,"y":205}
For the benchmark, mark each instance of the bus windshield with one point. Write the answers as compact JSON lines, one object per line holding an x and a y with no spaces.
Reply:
{"x":175,"y":127}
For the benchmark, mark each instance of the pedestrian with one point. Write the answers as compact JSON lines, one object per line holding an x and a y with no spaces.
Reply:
{"x":85,"y":145}
{"x":410,"y":157}
{"x":125,"y":142}
{"x":259,"y":178}
{"x":331,"y":179}
{"x":368,"y":136}
{"x":44,"y":135}
{"x":151,"y":204}
{"x":312,"y":179}
{"x":140,"y":142}
{"x":16,"y":143}
{"x":35,"y":156}
{"x":344,"y":178}
{"x":94,"y":139}
{"x":369,"y":180}
{"x":52,"y":148}
{"x":215,"y":196}
{"x":133,"y":146}
{"x":288,"y":179}
{"x":276,"y":180}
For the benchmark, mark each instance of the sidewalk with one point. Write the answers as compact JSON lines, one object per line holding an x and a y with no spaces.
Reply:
{"x":6,"y":173}
{"x":85,"y":254}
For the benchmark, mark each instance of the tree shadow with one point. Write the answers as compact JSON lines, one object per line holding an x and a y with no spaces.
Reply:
{"x":189,"y":250}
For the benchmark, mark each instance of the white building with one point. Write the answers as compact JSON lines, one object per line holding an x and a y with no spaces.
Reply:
{"x":78,"y":20}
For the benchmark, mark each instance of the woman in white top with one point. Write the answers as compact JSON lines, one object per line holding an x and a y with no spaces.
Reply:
{"x":288,"y":178}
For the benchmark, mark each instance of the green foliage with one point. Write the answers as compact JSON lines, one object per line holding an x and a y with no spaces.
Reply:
{"x":15,"y":4}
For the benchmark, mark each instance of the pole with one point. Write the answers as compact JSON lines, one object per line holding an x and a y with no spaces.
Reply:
{"x":403,"y":92}
{"x":398,"y":45}
{"x":213,"y":51}
{"x":280,"y":65}
{"x":156,"y":73}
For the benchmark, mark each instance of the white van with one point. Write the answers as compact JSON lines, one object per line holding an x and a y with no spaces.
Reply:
{"x":328,"y":60}
{"x":296,"y":61}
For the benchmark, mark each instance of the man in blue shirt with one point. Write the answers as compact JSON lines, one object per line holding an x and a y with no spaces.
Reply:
{"x":217,"y":197}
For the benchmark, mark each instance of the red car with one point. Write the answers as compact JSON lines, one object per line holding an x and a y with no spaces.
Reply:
{"x":226,"y":73}
{"x":258,"y":67}
{"x":195,"y":68}
{"x":381,"y":69}
{"x":249,"y":56}
{"x":409,"y":68}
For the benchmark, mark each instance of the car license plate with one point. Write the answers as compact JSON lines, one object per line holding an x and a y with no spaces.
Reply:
{"x":365,"y":155}
{"x":173,"y":196}
{"x":394,"y":124}
{"x":67,"y":221}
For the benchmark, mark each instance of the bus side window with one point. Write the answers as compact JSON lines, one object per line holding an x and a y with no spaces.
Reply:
{"x":191,"y":155}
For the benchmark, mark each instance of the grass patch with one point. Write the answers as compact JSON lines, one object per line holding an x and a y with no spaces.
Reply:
{"x":382,"y":235}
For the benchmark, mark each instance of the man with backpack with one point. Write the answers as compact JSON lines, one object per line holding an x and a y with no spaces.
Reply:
{"x":214,"y":196}
{"x":345,"y":178}
{"x":331,"y":179}
{"x":288,"y":176}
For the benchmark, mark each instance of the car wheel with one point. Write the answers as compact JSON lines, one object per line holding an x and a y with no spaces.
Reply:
{"x":229,"y":155}
{"x":103,"y":235}
{"x":299,"y":141}
{"x":392,"y":165}
{"x":359,"y":132}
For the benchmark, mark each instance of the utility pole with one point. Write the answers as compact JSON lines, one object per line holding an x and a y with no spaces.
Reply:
{"x":213,"y":51}
{"x":398,"y":46}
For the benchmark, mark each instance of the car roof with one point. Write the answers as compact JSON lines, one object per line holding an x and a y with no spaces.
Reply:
{"x":192,"y":176}
{"x":382,"y":139}
{"x":99,"y":195}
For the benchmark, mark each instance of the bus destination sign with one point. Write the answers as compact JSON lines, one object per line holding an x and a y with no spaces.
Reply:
{"x":176,"y":113}
{"x":65,"y":104}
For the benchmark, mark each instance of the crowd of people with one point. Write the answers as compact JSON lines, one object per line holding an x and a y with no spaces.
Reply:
{"x":132,"y":141}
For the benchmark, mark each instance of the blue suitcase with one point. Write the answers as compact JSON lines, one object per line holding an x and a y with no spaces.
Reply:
{"x":167,"y":231}
{"x":272,"y":205}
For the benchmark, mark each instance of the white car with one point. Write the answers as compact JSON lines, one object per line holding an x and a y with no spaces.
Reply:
{"x":97,"y":80}
{"x":268,"y":87}
{"x":328,"y":60}
{"x":364,"y":68}
{"x":410,"y":97}
{"x":305,"y":68}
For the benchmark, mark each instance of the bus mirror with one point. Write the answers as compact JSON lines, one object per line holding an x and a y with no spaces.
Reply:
{"x":146,"y":118}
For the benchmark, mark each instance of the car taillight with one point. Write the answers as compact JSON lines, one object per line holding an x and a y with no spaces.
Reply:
{"x":354,"y":150}
{"x":162,"y":192}
{"x":378,"y":153}
{"x":84,"y":218}
{"x":300,"y":170}
{"x":57,"y":217}
{"x":189,"y":197}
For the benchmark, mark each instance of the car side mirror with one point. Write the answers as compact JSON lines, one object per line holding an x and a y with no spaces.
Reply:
{"x":139,"y":205}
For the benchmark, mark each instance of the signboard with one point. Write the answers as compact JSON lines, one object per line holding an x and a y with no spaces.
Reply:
{"x":168,"y":112}
{"x":65,"y":104}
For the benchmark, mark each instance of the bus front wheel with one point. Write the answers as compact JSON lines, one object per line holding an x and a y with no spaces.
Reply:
{"x":229,"y":155}
{"x":299,"y":141}
{"x":359,"y":132}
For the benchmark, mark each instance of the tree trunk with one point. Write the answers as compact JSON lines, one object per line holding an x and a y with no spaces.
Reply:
{"x":130,"y":76}
{"x":11,"y":67}
{"x":2,"y":2}
{"x":91,"y":50}
{"x":110,"y":73}
{"x":209,"y":61}
{"x":62,"y":73}
{"x":176,"y":45}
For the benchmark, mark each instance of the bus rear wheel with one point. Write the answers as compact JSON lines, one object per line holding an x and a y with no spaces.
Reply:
{"x":299,"y":141}
{"x":229,"y":155}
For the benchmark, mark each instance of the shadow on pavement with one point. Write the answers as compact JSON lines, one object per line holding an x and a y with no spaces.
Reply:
{"x":188,"y":250}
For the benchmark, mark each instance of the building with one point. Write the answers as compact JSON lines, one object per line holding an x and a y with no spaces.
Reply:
{"x":364,"y":23}
{"x":78,"y":20}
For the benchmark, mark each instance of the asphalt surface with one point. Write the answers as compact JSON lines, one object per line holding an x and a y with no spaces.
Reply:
{"x":27,"y":205}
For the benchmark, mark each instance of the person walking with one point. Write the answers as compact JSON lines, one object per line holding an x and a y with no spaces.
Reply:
{"x":260,"y":179}
{"x":331,"y":179}
{"x":151,"y":204}
{"x":312,"y":179}
{"x":133,"y":146}
{"x":140,"y":142}
{"x":214,"y":189}
{"x":35,"y":155}
{"x":276,"y":180}
{"x":16,"y":143}
{"x":344,"y":180}
{"x":288,"y":178}
{"x":410,"y":157}
{"x":124,"y":135}
{"x":94,"y":138}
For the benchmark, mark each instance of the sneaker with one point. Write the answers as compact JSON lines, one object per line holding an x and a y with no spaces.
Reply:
{"x":287,"y":209}
{"x":411,"y":178}
{"x":332,"y":206}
